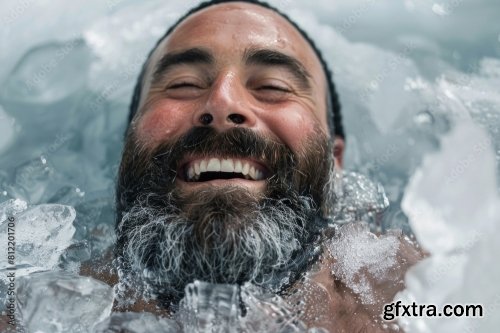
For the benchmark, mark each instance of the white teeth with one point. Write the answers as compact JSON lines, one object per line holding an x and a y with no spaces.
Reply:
{"x":245,"y":169}
{"x":227,"y":166}
{"x":251,"y":173}
{"x":197,"y":168}
{"x":190,"y":173}
{"x":213,"y":165}
{"x":237,"y":166}
{"x":203,"y":166}
{"x":223,"y":165}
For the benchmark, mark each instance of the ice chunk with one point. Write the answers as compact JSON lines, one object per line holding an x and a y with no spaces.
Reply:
{"x":41,"y":235}
{"x":209,"y":307}
{"x":462,"y":235}
{"x":131,"y":322}
{"x":10,"y":208}
{"x":434,"y":200}
{"x":32,"y":180}
{"x":228,"y":308}
{"x":60,"y":302}
{"x":269,"y":313}
{"x":357,"y":198}
{"x":361,"y":256}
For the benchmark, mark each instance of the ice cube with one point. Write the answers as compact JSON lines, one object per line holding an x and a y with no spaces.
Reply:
{"x":268,"y":313}
{"x":131,"y":322}
{"x":209,"y":307}
{"x":10,"y":208}
{"x":60,"y":302}
{"x":357,"y":198}
{"x":41,"y":234}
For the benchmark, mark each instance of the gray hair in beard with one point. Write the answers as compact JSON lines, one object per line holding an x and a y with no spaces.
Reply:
{"x":223,"y":246}
{"x":227,"y":235}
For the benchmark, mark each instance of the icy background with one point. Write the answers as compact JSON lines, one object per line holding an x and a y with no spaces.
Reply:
{"x":407,"y":73}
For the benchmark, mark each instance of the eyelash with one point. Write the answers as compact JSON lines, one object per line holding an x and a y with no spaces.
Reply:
{"x":271,"y":87}
{"x":264,"y":87}
{"x":183,"y":84}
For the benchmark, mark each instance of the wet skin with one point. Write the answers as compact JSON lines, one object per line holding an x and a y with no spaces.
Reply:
{"x":246,"y":66}
{"x":242,"y":65}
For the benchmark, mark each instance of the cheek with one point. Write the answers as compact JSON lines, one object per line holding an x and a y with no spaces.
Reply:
{"x":162,"y":122}
{"x":293,"y":127}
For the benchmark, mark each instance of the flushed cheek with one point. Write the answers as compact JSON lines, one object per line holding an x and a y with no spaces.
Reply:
{"x":293,"y":128}
{"x":161,"y":123}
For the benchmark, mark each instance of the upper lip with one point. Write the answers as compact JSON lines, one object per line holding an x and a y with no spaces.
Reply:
{"x":191,"y":168}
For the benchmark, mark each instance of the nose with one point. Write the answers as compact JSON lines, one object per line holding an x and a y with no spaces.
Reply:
{"x":227,"y":105}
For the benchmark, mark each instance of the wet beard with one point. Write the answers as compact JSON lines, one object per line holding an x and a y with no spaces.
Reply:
{"x":220,"y":235}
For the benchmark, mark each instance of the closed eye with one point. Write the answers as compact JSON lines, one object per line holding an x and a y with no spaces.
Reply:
{"x":270,"y":87}
{"x":183,"y":85}
{"x":184,"y":90}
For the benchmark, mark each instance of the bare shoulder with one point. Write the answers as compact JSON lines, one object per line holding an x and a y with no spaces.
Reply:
{"x":357,"y":275}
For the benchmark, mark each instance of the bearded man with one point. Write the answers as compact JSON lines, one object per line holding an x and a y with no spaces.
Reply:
{"x":227,"y":171}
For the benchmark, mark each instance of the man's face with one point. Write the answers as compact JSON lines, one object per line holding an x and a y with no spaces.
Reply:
{"x":228,"y":155}
{"x":242,"y":64}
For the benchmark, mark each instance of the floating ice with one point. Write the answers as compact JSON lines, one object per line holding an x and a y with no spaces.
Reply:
{"x":209,"y":307}
{"x":10,"y":208}
{"x":41,"y":235}
{"x":132,"y":322}
{"x":59,"y":302}
{"x":371,"y":79}
{"x":360,"y":257}
{"x":461,"y":235}
{"x":269,"y":313}
{"x":434,"y":200}
{"x":357,"y":198}
{"x":229,"y":308}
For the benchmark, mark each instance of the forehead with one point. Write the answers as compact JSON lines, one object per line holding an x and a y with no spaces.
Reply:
{"x":232,"y":28}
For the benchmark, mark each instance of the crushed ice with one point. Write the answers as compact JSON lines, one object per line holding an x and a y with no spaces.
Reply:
{"x":62,"y":133}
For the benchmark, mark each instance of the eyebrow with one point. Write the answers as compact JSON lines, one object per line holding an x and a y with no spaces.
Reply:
{"x":255,"y":56}
{"x":269,"y":57}
{"x":187,"y":57}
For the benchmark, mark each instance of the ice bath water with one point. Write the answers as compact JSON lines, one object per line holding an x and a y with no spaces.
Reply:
{"x":418,"y":83}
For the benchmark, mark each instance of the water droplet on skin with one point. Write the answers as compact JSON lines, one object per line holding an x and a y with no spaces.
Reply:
{"x":281,"y":43}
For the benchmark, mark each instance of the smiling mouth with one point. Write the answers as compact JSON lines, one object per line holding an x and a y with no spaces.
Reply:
{"x":214,"y":168}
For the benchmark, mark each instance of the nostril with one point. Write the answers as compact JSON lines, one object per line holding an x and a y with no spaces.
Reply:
{"x":236,"y":118}
{"x":206,"y":118}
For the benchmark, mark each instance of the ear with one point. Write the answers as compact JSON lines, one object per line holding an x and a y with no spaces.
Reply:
{"x":338,"y":151}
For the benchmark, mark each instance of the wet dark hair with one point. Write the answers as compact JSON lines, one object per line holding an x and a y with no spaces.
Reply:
{"x":333,"y":104}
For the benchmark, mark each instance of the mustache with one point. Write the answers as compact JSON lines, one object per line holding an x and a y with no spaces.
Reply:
{"x":235,"y":142}
{"x":155,"y":171}
{"x":152,"y":172}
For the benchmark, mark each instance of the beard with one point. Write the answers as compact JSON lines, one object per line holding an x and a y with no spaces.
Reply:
{"x":168,"y":238}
